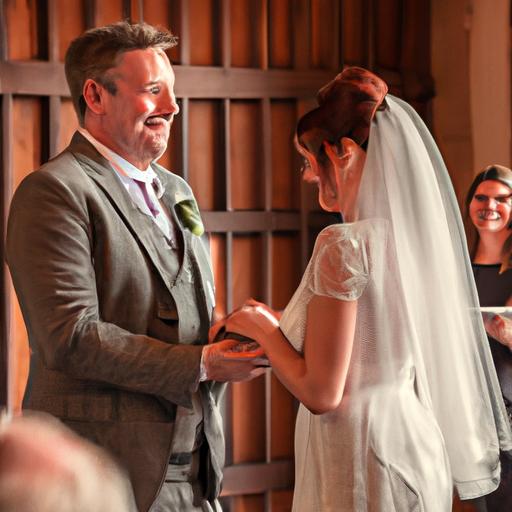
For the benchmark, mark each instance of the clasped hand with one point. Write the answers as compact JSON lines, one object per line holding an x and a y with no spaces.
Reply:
{"x":253,"y":320}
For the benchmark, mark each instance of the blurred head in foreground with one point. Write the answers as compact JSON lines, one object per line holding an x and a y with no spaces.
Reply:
{"x":45,"y":467}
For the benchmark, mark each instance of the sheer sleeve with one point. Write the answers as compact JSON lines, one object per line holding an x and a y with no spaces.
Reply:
{"x":339,"y":267}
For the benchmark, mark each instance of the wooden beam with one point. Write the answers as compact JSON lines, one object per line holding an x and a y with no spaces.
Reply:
{"x":243,"y":221}
{"x":34,"y":78}
{"x":257,"y":478}
{"x":42,"y":78}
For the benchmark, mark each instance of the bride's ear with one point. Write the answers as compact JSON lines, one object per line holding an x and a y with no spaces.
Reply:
{"x":340,"y":154}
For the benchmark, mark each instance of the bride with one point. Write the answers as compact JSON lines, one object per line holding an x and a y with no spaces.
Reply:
{"x":382,"y":343}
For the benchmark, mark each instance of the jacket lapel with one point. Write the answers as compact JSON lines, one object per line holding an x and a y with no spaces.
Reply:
{"x":141,"y":226}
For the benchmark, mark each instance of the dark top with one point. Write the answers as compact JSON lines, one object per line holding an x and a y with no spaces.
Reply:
{"x":494,"y":289}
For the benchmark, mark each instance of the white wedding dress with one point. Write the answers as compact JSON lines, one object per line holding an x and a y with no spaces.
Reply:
{"x":381,"y":449}
{"x":421,"y":411}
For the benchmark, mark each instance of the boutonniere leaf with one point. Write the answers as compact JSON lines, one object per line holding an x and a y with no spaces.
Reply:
{"x":189,"y":216}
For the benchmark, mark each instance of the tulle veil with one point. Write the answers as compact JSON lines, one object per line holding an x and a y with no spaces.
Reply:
{"x":427,"y":302}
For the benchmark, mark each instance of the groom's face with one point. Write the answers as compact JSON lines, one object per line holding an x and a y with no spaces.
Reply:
{"x":138,"y":115}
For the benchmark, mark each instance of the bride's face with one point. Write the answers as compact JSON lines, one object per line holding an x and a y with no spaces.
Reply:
{"x":337,"y":177}
{"x":316,"y":173}
{"x":491,"y":206}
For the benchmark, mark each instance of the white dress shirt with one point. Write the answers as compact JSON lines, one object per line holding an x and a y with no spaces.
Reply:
{"x":127,"y":173}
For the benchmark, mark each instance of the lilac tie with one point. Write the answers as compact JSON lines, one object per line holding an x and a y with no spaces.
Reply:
{"x":152,"y":208}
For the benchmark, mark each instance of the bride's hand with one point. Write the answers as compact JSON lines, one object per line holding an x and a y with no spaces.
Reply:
{"x":254,"y":320}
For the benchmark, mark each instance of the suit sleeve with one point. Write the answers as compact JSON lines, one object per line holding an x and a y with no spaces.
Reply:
{"x":49,"y":255}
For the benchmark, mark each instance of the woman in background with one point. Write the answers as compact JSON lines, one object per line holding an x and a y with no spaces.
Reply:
{"x":488,"y":224}
{"x":382,"y":342}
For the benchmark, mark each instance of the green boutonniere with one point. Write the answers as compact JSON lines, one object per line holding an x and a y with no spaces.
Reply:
{"x":188,"y":213}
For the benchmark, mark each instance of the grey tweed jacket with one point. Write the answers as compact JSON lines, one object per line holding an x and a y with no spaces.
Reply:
{"x":114,"y":348}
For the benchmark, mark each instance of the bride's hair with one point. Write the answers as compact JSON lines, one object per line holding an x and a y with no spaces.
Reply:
{"x":346,"y":106}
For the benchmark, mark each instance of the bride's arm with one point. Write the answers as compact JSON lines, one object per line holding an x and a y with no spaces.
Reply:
{"x":317,"y":377}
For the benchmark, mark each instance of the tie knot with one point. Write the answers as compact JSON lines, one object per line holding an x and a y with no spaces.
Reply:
{"x":147,"y":199}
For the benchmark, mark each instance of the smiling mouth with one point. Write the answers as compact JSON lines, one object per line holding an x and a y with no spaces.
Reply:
{"x":488,"y":215}
{"x":159,"y":120}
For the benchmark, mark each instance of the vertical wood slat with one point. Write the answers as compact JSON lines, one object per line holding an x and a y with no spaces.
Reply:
{"x":6,"y":189}
{"x":229,"y":273}
{"x":226,"y":34}
{"x":266,"y":138}
{"x":370,"y":31}
{"x":185,"y":31}
{"x":3,"y":32}
{"x":6,"y":398}
{"x":229,"y":264}
{"x":54,"y":102}
{"x":140,"y":4}
{"x":185,"y":138}
{"x":262,"y":37}
{"x":302,"y":51}
{"x":302,"y":33}
{"x":127,"y":10}
{"x":336,"y":49}
{"x":341,"y":20}
{"x":90,"y":13}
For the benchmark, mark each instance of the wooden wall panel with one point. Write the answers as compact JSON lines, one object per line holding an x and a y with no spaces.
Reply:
{"x":245,"y":17}
{"x":388,"y":33}
{"x":325,"y":46}
{"x":247,"y":272}
{"x":158,"y":12}
{"x":27,"y":140}
{"x":354,"y":32}
{"x":280,"y":44}
{"x":283,"y":421}
{"x":68,"y":123}
{"x":218,"y":254}
{"x":285,"y":176}
{"x":203,"y":31}
{"x":108,"y":12}
{"x":20,"y":353}
{"x":173,"y":157}
{"x":254,"y":503}
{"x":27,"y":147}
{"x":23,"y":31}
{"x":246,"y":156}
{"x":165,"y":13}
{"x":285,"y":248}
{"x":205,"y":175}
{"x":71,"y":23}
{"x":249,"y":421}
{"x":282,"y":501}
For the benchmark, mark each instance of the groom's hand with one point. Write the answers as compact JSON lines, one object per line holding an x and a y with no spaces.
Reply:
{"x":222,"y":364}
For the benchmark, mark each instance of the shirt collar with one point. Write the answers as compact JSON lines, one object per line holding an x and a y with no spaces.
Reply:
{"x":119,"y":164}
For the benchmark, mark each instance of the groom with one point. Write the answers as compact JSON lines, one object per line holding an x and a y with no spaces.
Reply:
{"x":114,"y":279}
